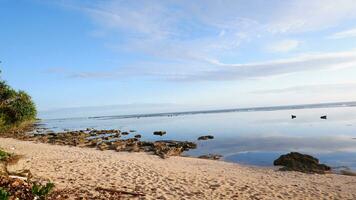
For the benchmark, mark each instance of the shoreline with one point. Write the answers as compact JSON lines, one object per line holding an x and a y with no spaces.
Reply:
{"x":85,"y":169}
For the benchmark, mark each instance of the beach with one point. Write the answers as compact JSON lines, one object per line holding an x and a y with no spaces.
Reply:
{"x":83,"y":170}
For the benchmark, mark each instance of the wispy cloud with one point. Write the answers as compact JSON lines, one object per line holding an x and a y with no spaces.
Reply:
{"x":283,"y":46}
{"x":190,"y":39}
{"x":344,"y":34}
{"x":217,"y":71}
{"x":316,"y":88}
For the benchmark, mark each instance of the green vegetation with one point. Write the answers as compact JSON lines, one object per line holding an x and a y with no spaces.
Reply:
{"x":4,"y":155}
{"x":16,"y":107}
{"x":4,"y":195}
{"x":42,"y":191}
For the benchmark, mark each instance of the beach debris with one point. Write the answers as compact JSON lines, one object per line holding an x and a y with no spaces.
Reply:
{"x":137,"y":136}
{"x":206,"y":137}
{"x":324,"y":117}
{"x":160,"y":133}
{"x":211,"y":156}
{"x":293,"y":116}
{"x":295,"y":161}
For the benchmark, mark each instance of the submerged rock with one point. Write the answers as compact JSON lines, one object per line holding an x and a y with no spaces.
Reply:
{"x":211,"y":156}
{"x":295,"y":161}
{"x":206,"y":137}
{"x":160,"y":133}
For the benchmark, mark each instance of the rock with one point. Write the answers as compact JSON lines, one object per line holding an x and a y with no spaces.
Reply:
{"x":160,"y":133}
{"x":211,"y":156}
{"x":164,"y":151}
{"x":166,"y":148}
{"x":206,"y":137}
{"x":295,"y":161}
{"x":138,"y":136}
{"x":103,"y":146}
{"x":347,"y":173}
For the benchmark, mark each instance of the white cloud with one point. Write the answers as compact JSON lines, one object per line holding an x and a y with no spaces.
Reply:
{"x":344,"y":34}
{"x":191,"y":38}
{"x":314,"y":89}
{"x":308,"y":62}
{"x":283,"y":46}
{"x":310,"y":15}
{"x":214,"y":70}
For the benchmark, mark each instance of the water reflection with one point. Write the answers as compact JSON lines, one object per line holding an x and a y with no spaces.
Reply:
{"x":248,"y":137}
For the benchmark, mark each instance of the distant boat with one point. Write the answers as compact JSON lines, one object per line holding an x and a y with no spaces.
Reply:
{"x":323,"y":117}
{"x":293,"y":116}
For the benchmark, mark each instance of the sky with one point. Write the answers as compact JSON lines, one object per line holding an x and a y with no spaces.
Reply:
{"x":179,"y":54}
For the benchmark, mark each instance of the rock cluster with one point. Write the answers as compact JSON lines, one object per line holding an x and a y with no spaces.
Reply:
{"x":111,"y":140}
{"x":106,"y":140}
{"x":295,"y":161}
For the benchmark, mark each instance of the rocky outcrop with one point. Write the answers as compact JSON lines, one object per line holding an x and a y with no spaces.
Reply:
{"x":206,"y":137}
{"x":295,"y":161}
{"x":211,"y":156}
{"x":160,"y":133}
{"x":111,"y":140}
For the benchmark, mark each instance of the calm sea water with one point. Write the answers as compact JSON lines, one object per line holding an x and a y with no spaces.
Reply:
{"x":255,"y":137}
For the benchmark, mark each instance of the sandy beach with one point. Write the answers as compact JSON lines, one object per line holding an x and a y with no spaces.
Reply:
{"x":84,"y":169}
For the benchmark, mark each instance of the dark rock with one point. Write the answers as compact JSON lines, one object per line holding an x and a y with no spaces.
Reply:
{"x":211,"y":156}
{"x":160,"y":133}
{"x":166,"y":148}
{"x":206,"y":137}
{"x":295,"y":161}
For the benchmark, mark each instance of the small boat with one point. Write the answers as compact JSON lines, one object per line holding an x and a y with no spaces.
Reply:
{"x":323,"y":117}
{"x":293,"y":116}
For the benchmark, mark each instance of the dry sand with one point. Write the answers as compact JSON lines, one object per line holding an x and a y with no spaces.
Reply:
{"x":172,"y":178}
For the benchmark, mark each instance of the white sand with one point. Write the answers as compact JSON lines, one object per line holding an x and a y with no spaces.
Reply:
{"x":172,"y":178}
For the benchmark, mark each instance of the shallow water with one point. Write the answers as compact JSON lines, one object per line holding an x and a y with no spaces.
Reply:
{"x":256,"y":137}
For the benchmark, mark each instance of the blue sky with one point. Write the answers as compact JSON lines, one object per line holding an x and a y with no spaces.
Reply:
{"x":179,"y":54}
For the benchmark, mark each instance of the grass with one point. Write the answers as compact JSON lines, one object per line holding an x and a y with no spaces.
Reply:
{"x":4,"y":156}
{"x":42,"y":191}
{"x":4,"y":195}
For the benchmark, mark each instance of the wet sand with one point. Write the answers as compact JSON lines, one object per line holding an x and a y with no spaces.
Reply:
{"x":85,"y":169}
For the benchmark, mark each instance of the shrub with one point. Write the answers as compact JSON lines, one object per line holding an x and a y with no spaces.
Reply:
{"x":4,"y":195}
{"x":42,"y":191}
{"x":4,"y":155}
{"x":15,"y":106}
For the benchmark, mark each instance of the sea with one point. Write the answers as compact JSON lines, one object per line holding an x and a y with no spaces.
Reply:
{"x":251,"y":136}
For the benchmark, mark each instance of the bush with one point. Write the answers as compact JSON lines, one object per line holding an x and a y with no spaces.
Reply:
{"x":15,"y":106}
{"x":4,"y":195}
{"x":4,"y":155}
{"x":42,"y":191}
